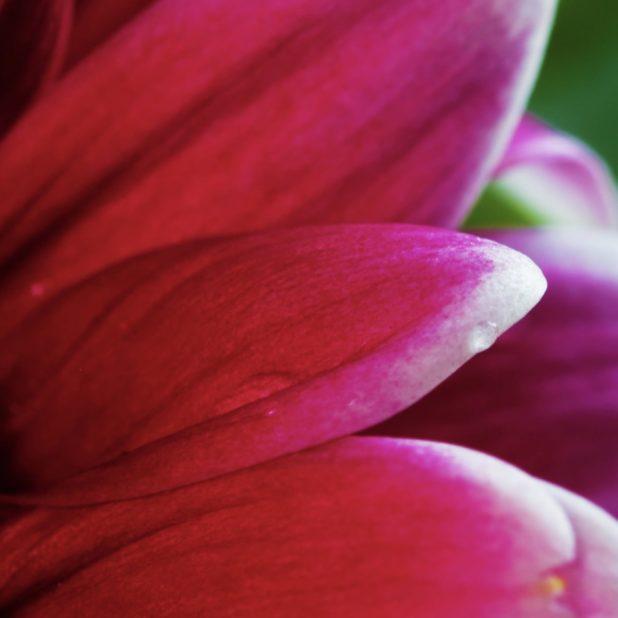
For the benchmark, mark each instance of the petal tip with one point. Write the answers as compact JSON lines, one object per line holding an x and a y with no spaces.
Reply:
{"x":509,"y":286}
{"x":513,"y":287}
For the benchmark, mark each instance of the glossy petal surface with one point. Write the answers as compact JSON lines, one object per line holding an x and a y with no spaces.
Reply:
{"x":546,"y":395}
{"x":33,"y":40}
{"x":209,"y":356}
{"x":360,"y":527}
{"x":207,"y":117}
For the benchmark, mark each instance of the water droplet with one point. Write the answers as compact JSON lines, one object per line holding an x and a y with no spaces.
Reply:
{"x":482,"y":337}
{"x":270,"y":413}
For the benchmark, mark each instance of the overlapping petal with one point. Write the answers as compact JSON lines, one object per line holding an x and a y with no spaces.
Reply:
{"x":364,"y":527}
{"x":546,"y":395}
{"x":593,"y":574}
{"x":206,"y":117}
{"x":202,"y":358}
{"x":33,"y":40}
{"x":559,"y":176}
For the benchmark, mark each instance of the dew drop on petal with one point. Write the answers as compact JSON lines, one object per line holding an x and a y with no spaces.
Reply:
{"x":482,"y":337}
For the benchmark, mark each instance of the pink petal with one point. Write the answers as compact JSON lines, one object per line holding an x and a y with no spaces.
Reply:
{"x":592,"y":578}
{"x":199,"y":359}
{"x":558,"y":176}
{"x":33,"y":40}
{"x":96,"y":21}
{"x":546,"y":396}
{"x":359,"y":527}
{"x":207,"y":117}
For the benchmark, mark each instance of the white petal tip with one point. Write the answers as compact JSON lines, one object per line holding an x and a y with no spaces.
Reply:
{"x":515,"y":285}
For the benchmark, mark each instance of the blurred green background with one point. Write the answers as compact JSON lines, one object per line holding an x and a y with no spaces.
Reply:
{"x":578,"y":87}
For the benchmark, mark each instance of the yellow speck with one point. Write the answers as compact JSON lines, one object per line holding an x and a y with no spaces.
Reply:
{"x":553,"y":586}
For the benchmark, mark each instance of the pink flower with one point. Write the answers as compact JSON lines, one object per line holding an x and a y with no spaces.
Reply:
{"x":199,"y":119}
{"x":545,"y":396}
{"x":178,"y":394}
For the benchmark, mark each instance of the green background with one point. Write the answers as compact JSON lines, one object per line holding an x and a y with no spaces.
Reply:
{"x":578,"y":85}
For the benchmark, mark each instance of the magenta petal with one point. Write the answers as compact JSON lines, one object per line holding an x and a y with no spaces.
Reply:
{"x":591,"y":579}
{"x":359,"y":527}
{"x":546,"y":395}
{"x":206,"y":118}
{"x":206,"y":357}
{"x":558,"y":176}
{"x":33,"y":39}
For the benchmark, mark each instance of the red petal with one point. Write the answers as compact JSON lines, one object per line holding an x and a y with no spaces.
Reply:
{"x":96,"y":21}
{"x":360,"y":527}
{"x":225,"y":353}
{"x":215,"y":117}
{"x":546,"y":396}
{"x":33,"y":39}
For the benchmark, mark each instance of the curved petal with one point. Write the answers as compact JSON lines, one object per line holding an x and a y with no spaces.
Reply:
{"x":552,"y":178}
{"x":546,"y":395}
{"x":592,"y":577}
{"x":96,"y":21}
{"x":369,"y":527}
{"x":33,"y":40}
{"x":209,"y":117}
{"x":202,"y":358}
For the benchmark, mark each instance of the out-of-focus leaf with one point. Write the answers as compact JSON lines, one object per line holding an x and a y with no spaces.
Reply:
{"x":499,"y":207}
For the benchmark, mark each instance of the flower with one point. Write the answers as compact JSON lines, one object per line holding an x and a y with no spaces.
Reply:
{"x":544,"y":397}
{"x":367,"y":526}
{"x":214,"y":342}
{"x":178,"y":395}
{"x":553,"y":377}
{"x":317,"y":109}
